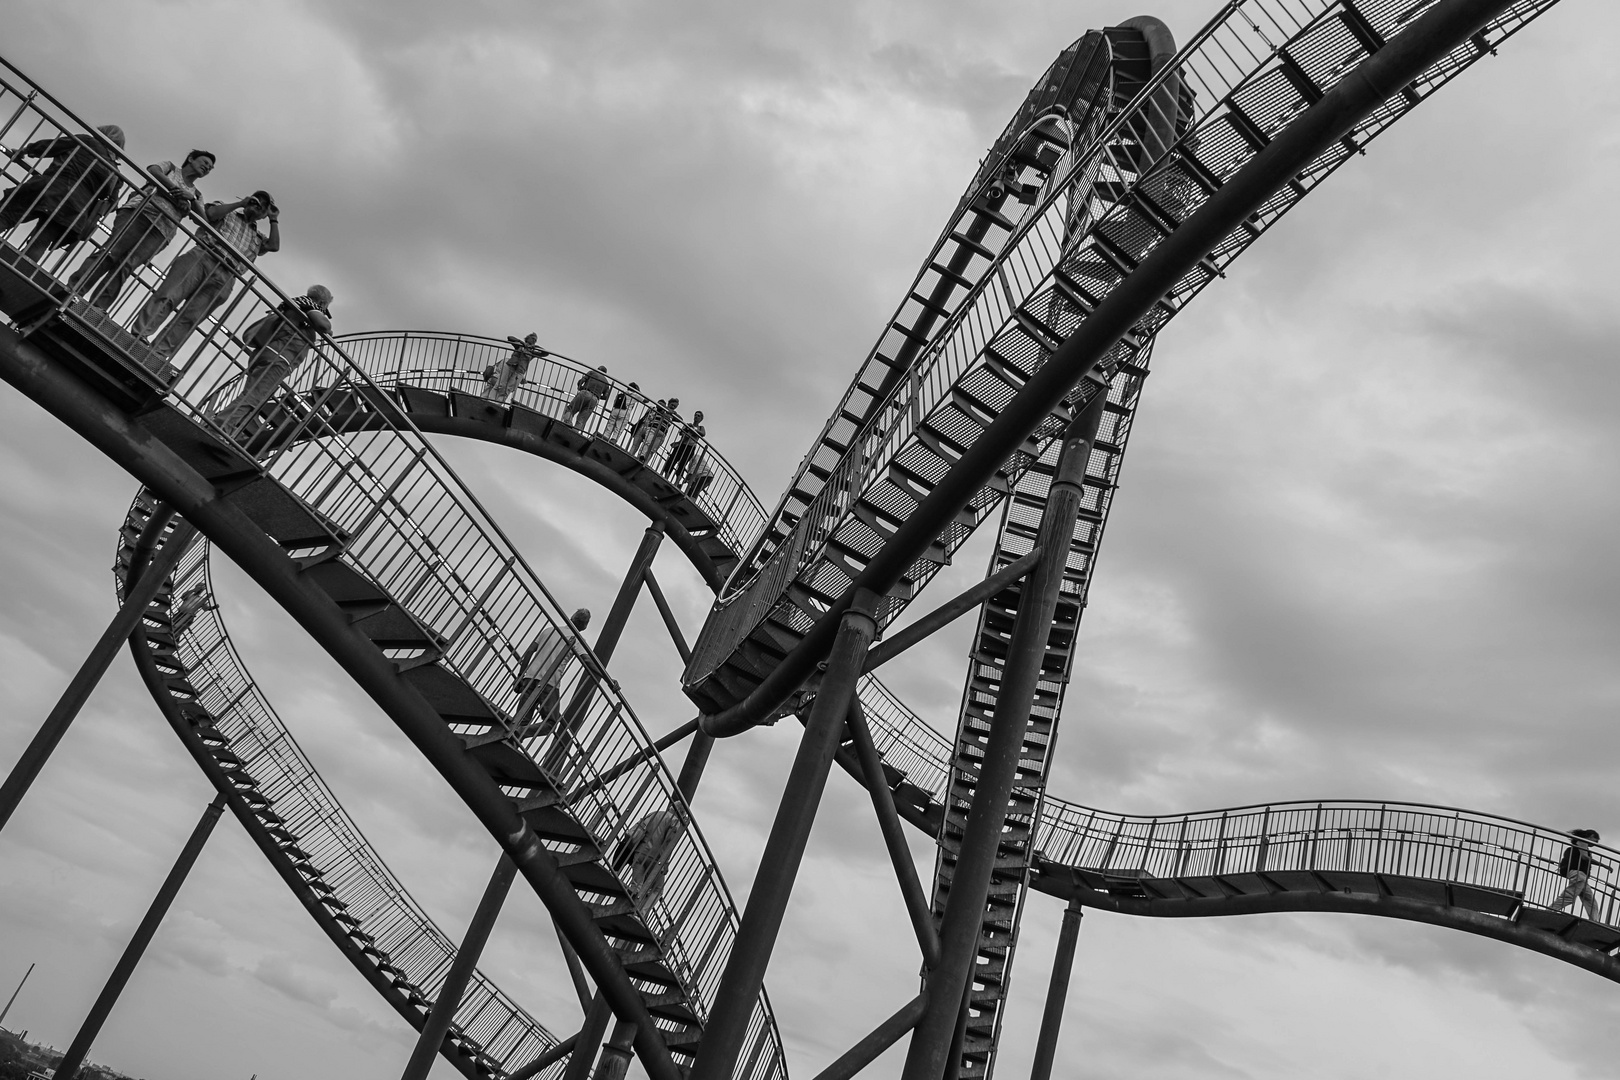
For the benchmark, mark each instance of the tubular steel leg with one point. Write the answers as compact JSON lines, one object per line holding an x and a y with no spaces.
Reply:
{"x":461,"y":971}
{"x":926,"y":1059}
{"x":75,"y":1055}
{"x":1057,"y":994}
{"x":779,"y":863}
{"x":697,"y":755}
{"x":590,"y":1037}
{"x":607,"y":638}
{"x":868,"y":1049}
{"x":615,"y":1059}
{"x":576,"y":971}
{"x":136,"y":600}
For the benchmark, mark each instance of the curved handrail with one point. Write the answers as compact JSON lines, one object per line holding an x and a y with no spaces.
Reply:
{"x":392,"y":511}
{"x":1425,"y":840}
{"x":453,"y":363}
{"x":323,"y":842}
{"x":1247,"y":66}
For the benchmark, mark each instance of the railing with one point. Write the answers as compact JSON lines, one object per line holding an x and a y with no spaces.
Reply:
{"x":1412,"y":839}
{"x":387,"y":913}
{"x":455,"y":362}
{"x":1084,"y":196}
{"x":406,"y":521}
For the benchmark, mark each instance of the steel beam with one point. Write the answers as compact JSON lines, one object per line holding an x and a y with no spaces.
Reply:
{"x":894,"y":836}
{"x":68,"y":1067}
{"x":590,"y":1037}
{"x":882,"y":1037}
{"x":1422,"y":44}
{"x":547,"y":1059}
{"x":615,"y":1059}
{"x":784,"y":850}
{"x":1057,"y":994}
{"x":929,"y":1054}
{"x":152,"y":462}
{"x":137,"y":598}
{"x":950,"y":611}
{"x":462,"y":967}
{"x":697,"y":755}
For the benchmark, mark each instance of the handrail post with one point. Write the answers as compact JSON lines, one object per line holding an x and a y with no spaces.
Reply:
{"x":779,"y":863}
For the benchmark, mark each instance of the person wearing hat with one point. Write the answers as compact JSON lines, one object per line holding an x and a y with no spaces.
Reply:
{"x":540,"y":674}
{"x":200,"y":279}
{"x":143,"y":226}
{"x":280,"y":342}
{"x":69,"y":197}
{"x":1576,"y":866}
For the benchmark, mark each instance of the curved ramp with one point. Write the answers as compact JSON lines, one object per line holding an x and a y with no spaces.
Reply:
{"x":372,"y":544}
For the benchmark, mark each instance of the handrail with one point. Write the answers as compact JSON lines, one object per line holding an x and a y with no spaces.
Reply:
{"x":404,"y":520}
{"x":452,"y":362}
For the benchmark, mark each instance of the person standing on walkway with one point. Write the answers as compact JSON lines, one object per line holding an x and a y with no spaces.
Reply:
{"x":658,"y":420}
{"x":620,"y":415}
{"x":1576,"y":867}
{"x":143,"y":226}
{"x":702,"y":473}
{"x":281,"y":340}
{"x":68,"y":198}
{"x":593,"y":387}
{"x":200,"y":279}
{"x":502,"y":378}
{"x":686,"y":444}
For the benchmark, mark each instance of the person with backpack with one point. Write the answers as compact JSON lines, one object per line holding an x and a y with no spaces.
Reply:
{"x":593,"y":387}
{"x":1576,"y":867}
{"x":280,"y":342}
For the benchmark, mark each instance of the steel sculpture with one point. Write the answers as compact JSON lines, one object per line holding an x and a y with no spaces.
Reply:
{"x":1006,"y":382}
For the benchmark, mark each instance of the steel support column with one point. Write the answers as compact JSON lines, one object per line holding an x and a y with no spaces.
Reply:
{"x":615,"y":1059}
{"x":69,"y":1065}
{"x":462,"y":966}
{"x":1057,"y":994}
{"x":547,"y":1059}
{"x":950,"y":980}
{"x":697,"y":755}
{"x":871,"y":1048}
{"x":590,"y":1037}
{"x":137,"y":598}
{"x":779,"y":863}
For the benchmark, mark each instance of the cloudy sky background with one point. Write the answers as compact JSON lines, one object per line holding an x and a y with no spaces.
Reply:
{"x":1363,"y":547}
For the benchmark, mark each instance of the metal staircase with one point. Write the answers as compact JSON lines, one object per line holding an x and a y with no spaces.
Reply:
{"x":290,"y":813}
{"x":1105,"y":206}
{"x":343,"y":512}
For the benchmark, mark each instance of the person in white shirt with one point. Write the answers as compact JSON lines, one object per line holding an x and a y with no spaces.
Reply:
{"x":540,"y":675}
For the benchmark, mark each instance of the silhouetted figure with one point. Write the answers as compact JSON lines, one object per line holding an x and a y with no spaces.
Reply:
{"x":540,"y":676}
{"x":503,"y":378}
{"x":143,"y":226}
{"x":70,"y":196}
{"x":1576,"y":866}
{"x":592,"y":388}
{"x":193,"y":602}
{"x":686,"y":444}
{"x":702,"y":473}
{"x":200,"y":279}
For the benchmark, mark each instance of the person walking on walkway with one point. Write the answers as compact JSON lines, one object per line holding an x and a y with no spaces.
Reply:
{"x":540,"y":675}
{"x":686,"y":444}
{"x":200,"y":279}
{"x":1576,"y":868}
{"x":503,"y":378}
{"x":143,"y":226}
{"x":69,"y":197}
{"x":593,"y":387}
{"x":281,"y":340}
{"x":643,"y":854}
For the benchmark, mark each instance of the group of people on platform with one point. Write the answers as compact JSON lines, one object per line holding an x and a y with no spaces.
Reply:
{"x":68,"y":200}
{"x":688,"y":464}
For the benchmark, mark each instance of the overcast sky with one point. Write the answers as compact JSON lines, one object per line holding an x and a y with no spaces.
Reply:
{"x":1363,"y":546}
